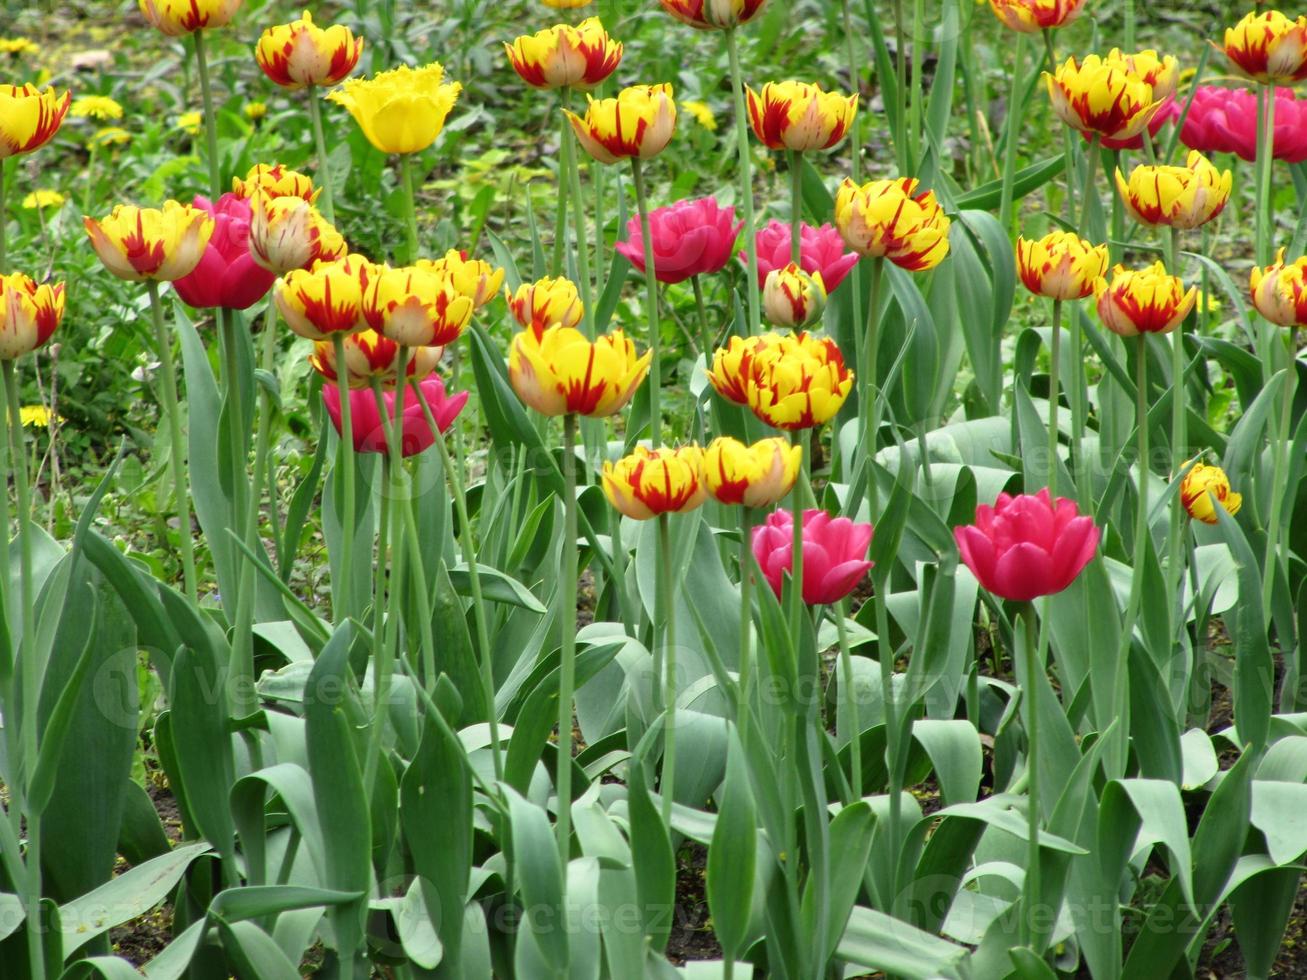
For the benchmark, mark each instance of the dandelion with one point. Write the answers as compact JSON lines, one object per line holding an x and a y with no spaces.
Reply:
{"x":37,"y":415}
{"x":18,"y":45}
{"x":190,"y":123}
{"x":43,"y":199}
{"x":254,"y":111}
{"x":110,"y":136}
{"x":701,"y":114}
{"x":96,"y":107}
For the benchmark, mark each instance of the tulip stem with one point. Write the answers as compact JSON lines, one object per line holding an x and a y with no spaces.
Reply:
{"x":1265,"y":154}
{"x":469,"y":558}
{"x":410,"y":208}
{"x":556,"y":267}
{"x":343,"y":599}
{"x":573,"y":170}
{"x":667,"y":788}
{"x":868,"y":407}
{"x":796,"y":205}
{"x":1054,"y":396}
{"x":324,"y":164}
{"x":1093,"y":155}
{"x":181,"y":486}
{"x":751,"y":286}
{"x":745,"y":709}
{"x":901,"y":92}
{"x":1280,"y":457}
{"x":1068,"y":139}
{"x":210,"y":120}
{"x":567,"y":629}
{"x":850,"y":697}
{"x":796,"y":508}
{"x":1031,"y":690}
{"x":1179,"y":443}
{"x":655,"y":318}
{"x":855,"y":83}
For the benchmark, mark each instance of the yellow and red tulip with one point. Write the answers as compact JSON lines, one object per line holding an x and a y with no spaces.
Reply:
{"x":557,"y":371}
{"x":1148,"y":300}
{"x":1100,"y":98}
{"x":732,"y":366}
{"x":371,"y":357}
{"x":288,"y":233}
{"x":798,"y":381}
{"x":564,"y":56}
{"x":650,"y":482}
{"x":755,"y":476}
{"x":1179,"y":197}
{"x":713,"y":14}
{"x":546,"y":303}
{"x":1268,"y":47}
{"x":476,"y":279}
{"x":888,"y":218}
{"x":1162,"y":72}
{"x":148,"y":243}
{"x":416,"y":307}
{"x":1033,"y":16}
{"x":274,"y":180}
{"x":29,"y":314}
{"x":177,"y":17}
{"x":1202,"y":480}
{"x":799,"y":116}
{"x":29,"y":117}
{"x":1061,"y":265}
{"x":639,"y":122}
{"x":1279,"y":291}
{"x":793,"y":298}
{"x":301,"y":53}
{"x":327,"y":299}
{"x":402,"y":110}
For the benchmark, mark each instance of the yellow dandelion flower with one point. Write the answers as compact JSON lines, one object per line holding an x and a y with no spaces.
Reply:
{"x":18,"y":45}
{"x":95,"y":107}
{"x":43,"y":199}
{"x":702,"y":114}
{"x":37,"y":415}
{"x":110,"y":136}
{"x":254,"y":111}
{"x":190,"y":123}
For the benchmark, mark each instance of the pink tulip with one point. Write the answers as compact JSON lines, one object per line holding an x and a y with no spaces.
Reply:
{"x":226,"y":277}
{"x":820,"y":250}
{"x":1169,"y":112}
{"x":1224,"y":120}
{"x":416,"y":435}
{"x":834,"y":553}
{"x":690,"y":238}
{"x":1027,"y":546}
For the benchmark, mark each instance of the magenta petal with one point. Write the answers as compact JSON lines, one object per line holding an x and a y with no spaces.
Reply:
{"x":840,"y":581}
{"x":978,"y":554}
{"x":1022,"y":573}
{"x":1075,"y":549}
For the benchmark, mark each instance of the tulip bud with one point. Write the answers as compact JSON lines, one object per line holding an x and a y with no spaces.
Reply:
{"x":1200,"y":485}
{"x":300,"y":53}
{"x":274,"y":180}
{"x":29,"y":117}
{"x":327,"y":299}
{"x":177,"y":17}
{"x":29,"y":314}
{"x":565,"y":56}
{"x":416,"y":307}
{"x":557,"y":371}
{"x":1102,"y":99}
{"x":1268,"y":47}
{"x":755,"y":476}
{"x":371,"y":357}
{"x":1033,"y":16}
{"x":288,"y":233}
{"x":147,"y":243}
{"x":638,"y":123}
{"x":1061,"y":265}
{"x":1179,"y":197}
{"x":1279,"y":291}
{"x":650,"y":482}
{"x":546,"y":303}
{"x":793,"y":298}
{"x":476,"y":279}
{"x":834,"y":553}
{"x":713,"y":14}
{"x":1147,"y":300}
{"x":415,"y":435}
{"x":402,"y":110}
{"x":800,"y":117}
{"x":889,"y":219}
{"x":797,"y":381}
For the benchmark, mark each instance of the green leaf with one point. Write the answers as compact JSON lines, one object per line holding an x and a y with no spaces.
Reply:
{"x":880,"y":942}
{"x":497,"y":586}
{"x":254,"y":953}
{"x":202,"y":741}
{"x":1138,"y":813}
{"x":986,"y":197}
{"x":541,"y":874}
{"x":1254,"y":670}
{"x":732,"y":856}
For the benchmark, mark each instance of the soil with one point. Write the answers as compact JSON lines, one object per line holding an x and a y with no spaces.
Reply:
{"x":692,"y":935}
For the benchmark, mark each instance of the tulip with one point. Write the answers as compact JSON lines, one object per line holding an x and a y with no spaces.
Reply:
{"x":274,"y":180}
{"x":327,"y":299}
{"x":416,"y":435}
{"x":402,"y":110}
{"x":690,"y":238}
{"x":1168,"y":111}
{"x":797,"y":381}
{"x":713,"y":14}
{"x":288,"y":233}
{"x":638,"y":123}
{"x":557,"y":371}
{"x":888,"y":218}
{"x":1033,"y":16}
{"x":821,"y":250}
{"x":793,"y":298}
{"x":732,"y":366}
{"x":29,"y":117}
{"x":145,"y":243}
{"x":228,"y":275}
{"x":1198,"y":488}
{"x":300,"y":54}
{"x":1162,"y":72}
{"x":565,"y":56}
{"x":1061,"y":265}
{"x":29,"y":314}
{"x":834,"y":554}
{"x":416,"y":307}
{"x":1224,"y":120}
{"x":476,"y":279}
{"x":546,"y":303}
{"x":177,"y":17}
{"x":1279,"y":291}
{"x":1147,"y":300}
{"x":1269,"y":47}
{"x":1180,"y":197}
{"x":371,"y":357}
{"x":754,"y":476}
{"x":1027,"y":546}
{"x":800,"y":117}
{"x":651,"y":482}
{"x":1101,"y":99}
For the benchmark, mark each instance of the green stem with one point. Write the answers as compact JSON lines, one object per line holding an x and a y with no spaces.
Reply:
{"x":1115,"y":246}
{"x":1093,"y":155}
{"x":1179,"y":444}
{"x":751,"y":286}
{"x":1130,"y":25}
{"x":850,"y":698}
{"x":181,"y":485}
{"x":410,"y":208}
{"x":796,"y":204}
{"x":667,"y":638}
{"x":1265,"y":156}
{"x":210,"y":120}
{"x":796,"y":509}
{"x":651,"y":300}
{"x":1054,"y":395}
{"x":327,"y":200}
{"x":745,"y":710}
{"x":855,"y":82}
{"x":572,"y":167}
{"x":885,"y":654}
{"x":567,"y":629}
{"x":1078,"y":423}
{"x":556,"y":267}
{"x":868,"y":404}
{"x":1283,"y":437}
{"x":901,"y":92}
{"x":1030,"y":891}
{"x":1068,"y":138}
{"x":343,"y":601}
{"x":918,"y":86}
{"x":1015,"y":110}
